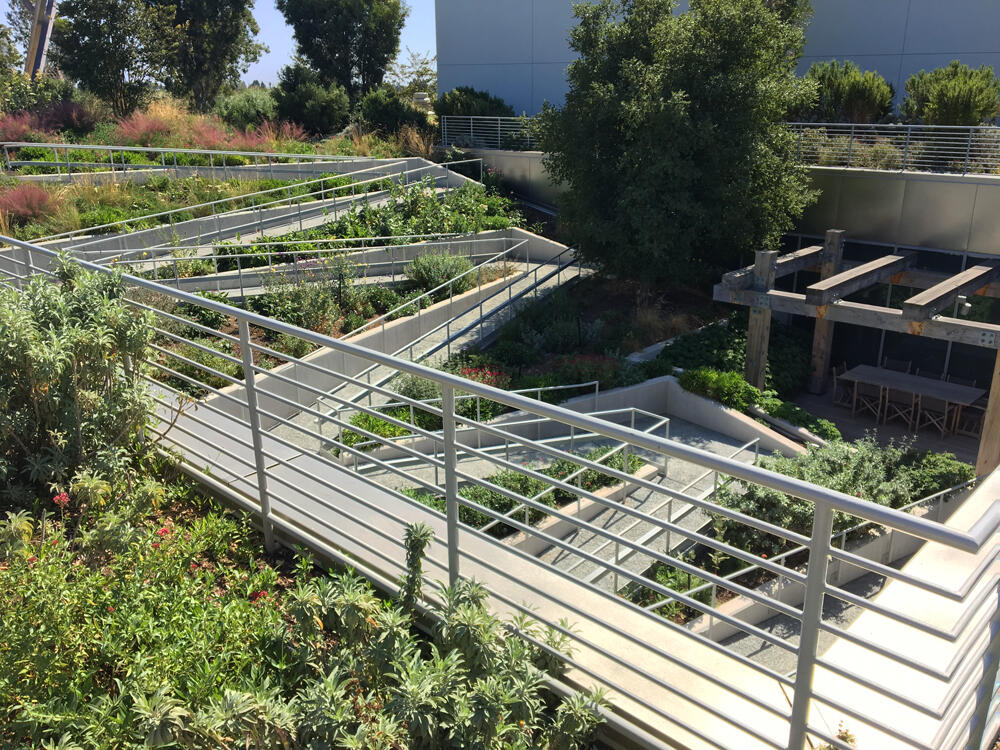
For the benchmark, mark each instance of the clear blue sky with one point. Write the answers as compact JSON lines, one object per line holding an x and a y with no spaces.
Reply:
{"x":418,"y":35}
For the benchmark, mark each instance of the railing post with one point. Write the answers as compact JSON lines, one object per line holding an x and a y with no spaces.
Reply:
{"x":812,"y":614}
{"x":850,"y":145}
{"x":256,"y":436}
{"x":450,"y":477}
{"x":968,"y":152}
{"x":987,"y":685}
{"x":906,"y":147}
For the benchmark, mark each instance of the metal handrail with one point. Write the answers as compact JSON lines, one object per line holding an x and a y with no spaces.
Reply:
{"x":823,"y":497}
{"x":487,"y":132}
{"x":825,"y":502}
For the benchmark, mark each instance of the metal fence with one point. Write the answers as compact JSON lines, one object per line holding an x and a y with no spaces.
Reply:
{"x":929,"y":668}
{"x":916,"y":148}
{"x":513,"y":133}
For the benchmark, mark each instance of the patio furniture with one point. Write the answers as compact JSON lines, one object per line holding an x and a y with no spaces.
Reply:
{"x":868,"y":397}
{"x":900,"y":405}
{"x":934,"y":412}
{"x":843,"y":392}
{"x":935,"y":397}
{"x":933,"y":375}
{"x":969,"y":421}
{"x":899,"y":365}
{"x":962,"y":381}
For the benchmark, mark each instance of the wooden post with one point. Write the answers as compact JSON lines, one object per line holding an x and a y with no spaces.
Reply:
{"x":833,"y":251}
{"x":989,"y":441}
{"x":759,"y":331}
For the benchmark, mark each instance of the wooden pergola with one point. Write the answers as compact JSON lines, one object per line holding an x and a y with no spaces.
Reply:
{"x":825,"y":301}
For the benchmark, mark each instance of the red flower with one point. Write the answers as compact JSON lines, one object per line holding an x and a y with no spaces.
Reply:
{"x":156,"y":545}
{"x":54,"y":541}
{"x":763,"y":555}
{"x":194,"y":566}
{"x":164,"y":531}
{"x":111,"y":609}
{"x":62,"y":499}
{"x":32,"y":559}
{"x":257,"y":596}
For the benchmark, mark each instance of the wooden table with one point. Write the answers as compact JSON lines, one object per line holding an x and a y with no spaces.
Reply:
{"x":950,"y":393}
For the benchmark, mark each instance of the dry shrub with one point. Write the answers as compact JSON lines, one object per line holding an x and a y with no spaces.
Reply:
{"x":652,"y":324}
{"x":495,"y":271}
{"x":207,"y":133}
{"x":25,"y":202}
{"x":17,"y":127}
{"x":142,"y":129}
{"x":169,"y":110}
{"x":415,"y":142}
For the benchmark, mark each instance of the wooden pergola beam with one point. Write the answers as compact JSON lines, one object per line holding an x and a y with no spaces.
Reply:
{"x":986,"y":335}
{"x":786,"y":264}
{"x":853,"y":280}
{"x":942,"y":295}
{"x":822,"y":345}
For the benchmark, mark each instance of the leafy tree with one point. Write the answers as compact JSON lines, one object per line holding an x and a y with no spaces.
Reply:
{"x":349,"y":42}
{"x":303,"y":97}
{"x":845,"y":94}
{"x":417,"y":73}
{"x":465,"y":100}
{"x":215,"y":47}
{"x":384,"y":110}
{"x":10,"y":57}
{"x":953,"y":95}
{"x":19,"y":19}
{"x":247,"y":108}
{"x":115,"y":49}
{"x":671,"y":144}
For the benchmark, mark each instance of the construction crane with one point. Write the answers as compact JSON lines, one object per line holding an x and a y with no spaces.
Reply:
{"x":43,"y":14}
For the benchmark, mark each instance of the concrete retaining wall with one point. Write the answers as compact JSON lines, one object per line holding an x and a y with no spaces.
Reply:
{"x":921,"y":209}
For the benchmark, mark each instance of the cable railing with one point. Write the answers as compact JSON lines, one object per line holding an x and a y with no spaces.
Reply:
{"x":512,"y":133}
{"x":954,"y":149}
{"x":919,"y":671}
{"x":908,"y":148}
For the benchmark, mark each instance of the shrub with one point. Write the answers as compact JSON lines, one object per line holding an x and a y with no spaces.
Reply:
{"x":431,"y":270}
{"x":383,"y":111}
{"x":72,"y":393}
{"x":372,"y":424}
{"x":25,"y":202}
{"x":953,"y":95}
{"x":466,"y":101}
{"x":581,"y":368}
{"x":893,"y":476}
{"x":249,"y":108}
{"x":301,"y":97}
{"x":203,"y":315}
{"x":728,"y":388}
{"x":799,"y":417}
{"x":845,"y":94}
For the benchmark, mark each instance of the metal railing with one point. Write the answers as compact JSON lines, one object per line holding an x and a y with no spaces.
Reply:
{"x":661,"y":674}
{"x":914,"y":148}
{"x":247,"y":270}
{"x":954,"y":149}
{"x":67,"y":157}
{"x":255,"y":204}
{"x":513,"y":133}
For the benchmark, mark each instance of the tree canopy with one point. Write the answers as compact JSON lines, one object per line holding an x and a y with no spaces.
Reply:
{"x":217,"y":44}
{"x":117,"y":49}
{"x":671,"y":145}
{"x":845,"y":94}
{"x":952,"y":95}
{"x":349,"y":42}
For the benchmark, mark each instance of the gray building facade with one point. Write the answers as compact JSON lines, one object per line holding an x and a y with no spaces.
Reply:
{"x":518,"y":49}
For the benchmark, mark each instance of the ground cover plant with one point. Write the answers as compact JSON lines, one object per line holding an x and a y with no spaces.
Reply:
{"x":894,"y":475}
{"x":588,"y":479}
{"x":29,"y":211}
{"x":139,"y":613}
